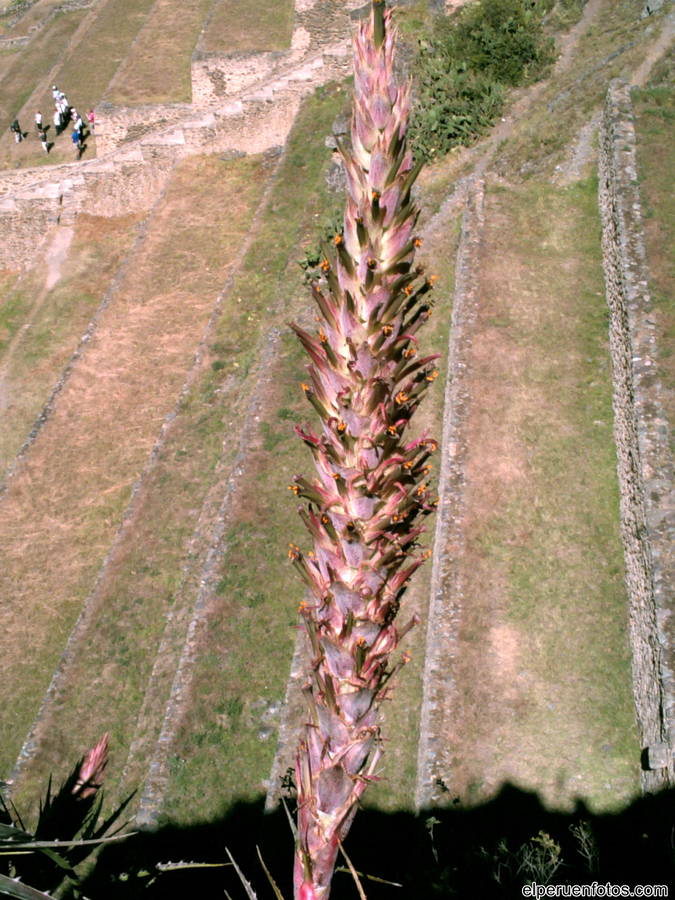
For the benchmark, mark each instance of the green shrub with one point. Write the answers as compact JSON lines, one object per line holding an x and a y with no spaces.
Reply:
{"x":463,"y":67}
{"x":503,"y":39}
{"x":454,"y":106}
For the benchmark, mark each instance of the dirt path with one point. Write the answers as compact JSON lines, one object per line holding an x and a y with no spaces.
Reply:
{"x":505,"y":129}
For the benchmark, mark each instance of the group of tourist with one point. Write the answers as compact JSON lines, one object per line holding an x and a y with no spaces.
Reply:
{"x":64,"y":114}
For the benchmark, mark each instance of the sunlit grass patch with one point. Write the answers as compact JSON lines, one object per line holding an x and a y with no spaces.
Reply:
{"x":244,"y":26}
{"x":157,"y":68}
{"x":28,"y":67}
{"x":552,"y":537}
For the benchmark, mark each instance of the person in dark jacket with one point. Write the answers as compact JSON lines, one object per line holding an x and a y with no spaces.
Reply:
{"x":16,"y":129}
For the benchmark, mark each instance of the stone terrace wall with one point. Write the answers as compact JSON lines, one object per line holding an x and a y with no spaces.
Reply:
{"x":215,"y":76}
{"x":446,"y":598}
{"x":24,"y":225}
{"x":32,"y":206}
{"x":125,"y":186}
{"x":641,"y":435}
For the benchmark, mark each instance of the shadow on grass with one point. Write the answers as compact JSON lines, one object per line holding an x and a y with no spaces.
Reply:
{"x":483,"y":852}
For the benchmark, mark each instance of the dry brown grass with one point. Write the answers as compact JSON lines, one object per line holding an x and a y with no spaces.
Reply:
{"x":157,"y":68}
{"x":84,"y":74}
{"x":42,"y":327}
{"x":241,"y":26}
{"x":63,"y":507}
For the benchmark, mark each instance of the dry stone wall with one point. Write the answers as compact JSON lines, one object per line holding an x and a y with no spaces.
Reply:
{"x":644,"y":465}
{"x":446,"y":595}
{"x":24,"y":225}
{"x":33,"y":206}
{"x":215,"y":77}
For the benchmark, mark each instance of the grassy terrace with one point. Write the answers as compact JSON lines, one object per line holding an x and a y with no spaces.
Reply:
{"x":656,"y":164}
{"x":157,"y":68}
{"x":241,"y":26}
{"x":241,"y":671}
{"x":228,"y":738}
{"x":90,"y":66}
{"x":81,"y":468}
{"x":543,"y":672}
{"x":36,"y":13}
{"x":543,"y":656}
{"x":40,"y":328}
{"x":396,"y":791}
{"x":154,"y":570}
{"x":31,"y":65}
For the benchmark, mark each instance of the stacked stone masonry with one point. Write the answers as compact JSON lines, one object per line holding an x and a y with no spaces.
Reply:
{"x":644,"y":464}
{"x":446,"y":594}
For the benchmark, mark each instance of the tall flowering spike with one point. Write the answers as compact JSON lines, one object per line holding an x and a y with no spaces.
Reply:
{"x":92,"y":769}
{"x":366,"y":379}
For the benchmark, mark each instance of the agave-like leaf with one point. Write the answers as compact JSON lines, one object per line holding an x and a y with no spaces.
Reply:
{"x":10,"y":887}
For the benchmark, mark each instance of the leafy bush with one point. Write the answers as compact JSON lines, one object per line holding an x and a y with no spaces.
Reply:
{"x":454,"y":106}
{"x":463,"y":67}
{"x":504,"y":39}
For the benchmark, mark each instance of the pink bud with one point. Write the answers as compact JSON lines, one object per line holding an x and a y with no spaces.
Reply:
{"x":90,"y":776}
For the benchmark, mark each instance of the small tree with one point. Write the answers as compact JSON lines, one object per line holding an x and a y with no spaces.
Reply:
{"x":366,"y":380}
